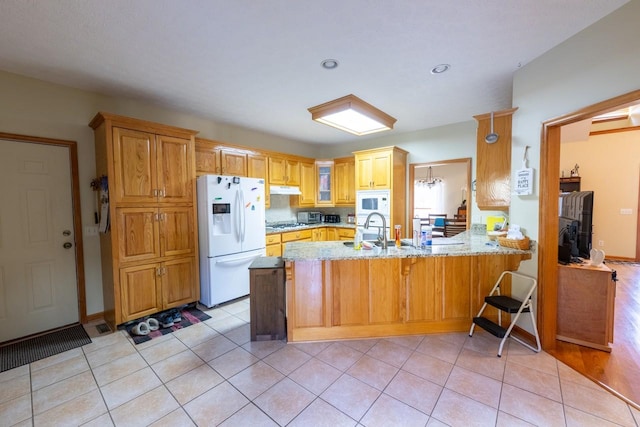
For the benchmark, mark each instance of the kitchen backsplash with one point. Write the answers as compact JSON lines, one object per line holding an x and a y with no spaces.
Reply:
{"x":282,"y":211}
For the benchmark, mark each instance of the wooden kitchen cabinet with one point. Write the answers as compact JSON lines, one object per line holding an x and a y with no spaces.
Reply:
{"x":274,"y":248}
{"x":149,"y":253}
{"x":373,"y":169}
{"x":345,"y":233}
{"x":233,"y":163}
{"x":284,"y":171}
{"x":296,"y":236}
{"x":325,"y":183}
{"x":493,"y":170}
{"x":384,"y":168}
{"x":267,"y":299}
{"x":344,"y":188}
{"x":586,"y":305}
{"x":319,"y":234}
{"x":149,"y":288}
{"x":379,"y":297}
{"x":307,"y":185}
{"x":257,"y":168}
{"x":150,"y":168}
{"x":149,"y":232}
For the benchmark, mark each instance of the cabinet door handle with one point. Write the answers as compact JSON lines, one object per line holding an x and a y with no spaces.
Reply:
{"x":158,"y":271}
{"x":156,"y":216}
{"x":155,"y":192}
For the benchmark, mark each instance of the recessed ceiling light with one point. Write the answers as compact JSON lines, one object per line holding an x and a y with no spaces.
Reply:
{"x":441,"y":68}
{"x":330,"y":64}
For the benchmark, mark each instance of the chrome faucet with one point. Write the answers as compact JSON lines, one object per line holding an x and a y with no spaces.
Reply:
{"x":382,"y":239}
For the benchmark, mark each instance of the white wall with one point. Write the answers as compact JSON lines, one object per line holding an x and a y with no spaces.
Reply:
{"x":33,"y":107}
{"x":609,"y":166}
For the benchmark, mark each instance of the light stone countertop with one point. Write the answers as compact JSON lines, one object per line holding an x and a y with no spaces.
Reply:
{"x":464,"y":244}
{"x":271,"y":230}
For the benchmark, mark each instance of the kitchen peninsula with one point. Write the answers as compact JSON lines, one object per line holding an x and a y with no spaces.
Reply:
{"x":336,"y":292}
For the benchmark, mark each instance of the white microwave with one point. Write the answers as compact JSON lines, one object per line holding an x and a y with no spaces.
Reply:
{"x":368,"y":201}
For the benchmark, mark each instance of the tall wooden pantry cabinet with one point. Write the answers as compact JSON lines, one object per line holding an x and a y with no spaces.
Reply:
{"x":150,"y":253}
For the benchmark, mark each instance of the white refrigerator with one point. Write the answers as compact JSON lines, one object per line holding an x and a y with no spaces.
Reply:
{"x":231,"y":233}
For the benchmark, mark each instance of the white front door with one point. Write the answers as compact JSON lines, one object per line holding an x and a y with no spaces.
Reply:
{"x":38,"y":284}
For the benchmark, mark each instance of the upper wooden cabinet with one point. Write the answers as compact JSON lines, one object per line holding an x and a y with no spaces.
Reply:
{"x":344,"y":189}
{"x":257,"y":168}
{"x":233,"y":163}
{"x":284,"y":171}
{"x":150,"y":168}
{"x":493,"y":170}
{"x":325,"y":183}
{"x":307,"y":184}
{"x":373,"y":169}
{"x":384,"y":168}
{"x":214,"y":158}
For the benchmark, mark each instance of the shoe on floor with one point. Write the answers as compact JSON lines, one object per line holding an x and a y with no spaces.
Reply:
{"x":153,"y":324}
{"x":166,"y":320}
{"x":141,"y":328}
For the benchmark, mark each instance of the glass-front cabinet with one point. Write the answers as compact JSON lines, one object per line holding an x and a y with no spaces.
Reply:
{"x":324,"y":183}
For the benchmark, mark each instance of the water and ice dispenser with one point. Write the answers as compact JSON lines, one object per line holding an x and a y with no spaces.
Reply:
{"x":221,"y":219}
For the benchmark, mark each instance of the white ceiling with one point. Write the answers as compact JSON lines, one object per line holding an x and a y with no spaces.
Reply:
{"x":256,"y":63}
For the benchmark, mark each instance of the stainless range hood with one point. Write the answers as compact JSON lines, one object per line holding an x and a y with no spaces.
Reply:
{"x":285,"y":189}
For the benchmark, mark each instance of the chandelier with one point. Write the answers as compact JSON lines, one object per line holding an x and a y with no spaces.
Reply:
{"x":430,"y":181}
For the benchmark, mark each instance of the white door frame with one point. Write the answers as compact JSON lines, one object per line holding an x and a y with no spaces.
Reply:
{"x":72,"y":147}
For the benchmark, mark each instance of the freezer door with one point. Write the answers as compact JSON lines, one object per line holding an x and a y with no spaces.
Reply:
{"x":253,"y":215}
{"x":226,"y":277}
{"x":218,"y":213}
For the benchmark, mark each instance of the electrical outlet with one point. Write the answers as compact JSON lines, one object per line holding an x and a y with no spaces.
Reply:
{"x":601,"y":243}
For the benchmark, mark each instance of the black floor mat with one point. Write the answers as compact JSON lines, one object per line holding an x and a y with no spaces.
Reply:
{"x":27,"y":351}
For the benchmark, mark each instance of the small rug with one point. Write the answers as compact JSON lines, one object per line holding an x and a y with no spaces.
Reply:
{"x":36,"y":348}
{"x":190,"y":316}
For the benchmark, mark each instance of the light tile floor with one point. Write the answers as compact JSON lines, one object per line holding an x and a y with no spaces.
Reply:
{"x":212,"y":374}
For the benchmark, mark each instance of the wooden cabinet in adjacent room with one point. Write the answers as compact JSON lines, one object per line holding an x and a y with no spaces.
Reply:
{"x":586,"y":305}
{"x":149,"y":253}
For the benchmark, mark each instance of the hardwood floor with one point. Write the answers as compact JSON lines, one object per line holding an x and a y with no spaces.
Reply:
{"x":619,"y":370}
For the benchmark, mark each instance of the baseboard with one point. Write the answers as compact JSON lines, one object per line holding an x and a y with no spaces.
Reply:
{"x":95,"y":316}
{"x":620,"y":259}
{"x":524,"y":335}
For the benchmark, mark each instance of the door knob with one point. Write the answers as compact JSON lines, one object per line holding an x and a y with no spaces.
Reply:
{"x":67,"y":245}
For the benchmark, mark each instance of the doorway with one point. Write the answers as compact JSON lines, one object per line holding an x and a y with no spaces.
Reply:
{"x":41,"y":263}
{"x":548,"y":224}
{"x":456,"y":175}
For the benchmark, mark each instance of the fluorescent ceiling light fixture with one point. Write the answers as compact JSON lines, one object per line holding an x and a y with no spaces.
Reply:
{"x":351,"y":114}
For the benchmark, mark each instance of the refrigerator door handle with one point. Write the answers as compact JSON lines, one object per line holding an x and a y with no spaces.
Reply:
{"x":236,"y":261}
{"x":243,"y":225}
{"x":236,"y":217}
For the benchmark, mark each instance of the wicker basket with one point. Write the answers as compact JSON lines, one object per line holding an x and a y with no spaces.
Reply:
{"x":515,"y":244}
